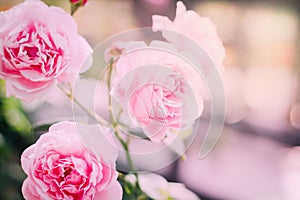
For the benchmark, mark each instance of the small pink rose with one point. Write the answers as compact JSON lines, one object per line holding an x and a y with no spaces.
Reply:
{"x":39,"y":49}
{"x":199,"y":29}
{"x":59,"y":166}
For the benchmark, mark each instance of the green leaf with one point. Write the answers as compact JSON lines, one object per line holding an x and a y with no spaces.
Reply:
{"x":16,"y":117}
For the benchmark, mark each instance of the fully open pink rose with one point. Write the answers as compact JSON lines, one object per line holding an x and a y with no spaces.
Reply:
{"x":161,"y":92}
{"x":200,"y":29}
{"x":39,"y":48}
{"x":59,"y":166}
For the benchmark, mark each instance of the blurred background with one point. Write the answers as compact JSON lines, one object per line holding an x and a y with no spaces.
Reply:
{"x":257,"y":156}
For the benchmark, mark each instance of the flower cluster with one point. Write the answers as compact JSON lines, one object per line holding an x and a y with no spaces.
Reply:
{"x":160,"y":92}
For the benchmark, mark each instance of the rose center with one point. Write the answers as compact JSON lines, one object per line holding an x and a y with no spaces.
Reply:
{"x":67,"y":171}
{"x":155,"y":108}
{"x":31,"y":51}
{"x":34,"y":49}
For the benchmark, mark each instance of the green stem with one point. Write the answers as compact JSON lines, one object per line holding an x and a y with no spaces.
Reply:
{"x":110,"y":68}
{"x":116,"y":125}
{"x":126,"y":148}
{"x":94,"y":116}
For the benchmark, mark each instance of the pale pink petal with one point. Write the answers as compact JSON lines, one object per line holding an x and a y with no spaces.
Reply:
{"x":29,"y":191}
{"x":204,"y":32}
{"x":114,"y":192}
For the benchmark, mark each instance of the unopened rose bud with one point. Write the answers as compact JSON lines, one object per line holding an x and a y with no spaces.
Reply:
{"x":114,"y":51}
{"x":75,"y":4}
{"x":81,"y":2}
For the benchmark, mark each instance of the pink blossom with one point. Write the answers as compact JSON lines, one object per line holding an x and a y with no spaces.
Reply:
{"x":39,"y":49}
{"x":200,"y":29}
{"x":161,"y":92}
{"x":59,"y":166}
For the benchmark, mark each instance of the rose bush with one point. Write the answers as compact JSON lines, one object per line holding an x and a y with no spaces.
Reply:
{"x":160,"y":90}
{"x":59,"y":166}
{"x":39,"y":48}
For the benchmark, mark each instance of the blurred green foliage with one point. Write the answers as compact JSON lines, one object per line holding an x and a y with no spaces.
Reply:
{"x":131,"y":191}
{"x":15,"y":136}
{"x":16,"y":133}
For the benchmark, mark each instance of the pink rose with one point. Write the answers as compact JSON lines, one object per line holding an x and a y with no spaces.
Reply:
{"x":59,"y":166}
{"x":39,"y":48}
{"x":199,"y":29}
{"x":160,"y":92}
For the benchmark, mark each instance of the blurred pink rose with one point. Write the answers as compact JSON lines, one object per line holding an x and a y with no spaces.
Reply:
{"x":158,"y":89}
{"x":200,"y":29}
{"x":159,"y":3}
{"x":39,"y":49}
{"x":82,"y":2}
{"x":290,"y":179}
{"x":59,"y":166}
